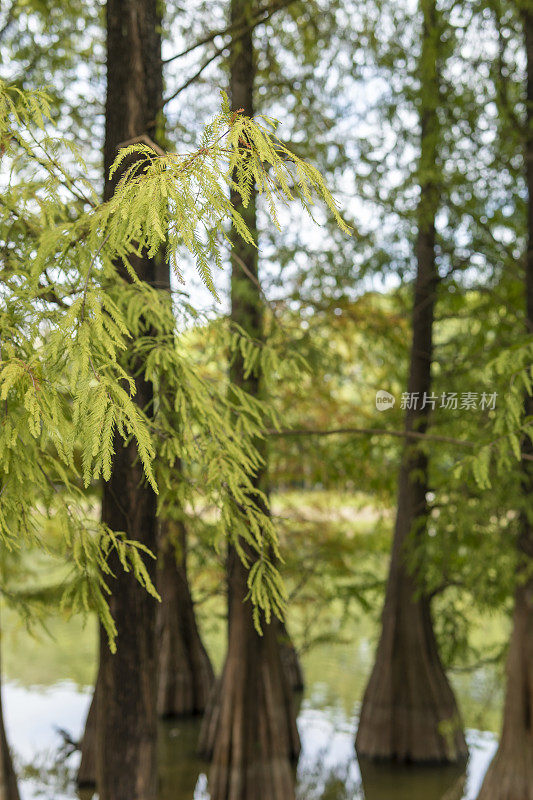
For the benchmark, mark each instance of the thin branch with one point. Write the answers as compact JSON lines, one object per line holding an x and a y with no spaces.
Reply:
{"x":219,"y":50}
{"x":258,"y":19}
{"x":442,"y":587}
{"x":369,"y":432}
{"x":383,"y":432}
{"x":238,"y":260}
{"x":86,"y":284}
{"x":49,"y":294}
{"x":197,"y":74}
{"x":65,"y":180}
{"x":143,"y":139}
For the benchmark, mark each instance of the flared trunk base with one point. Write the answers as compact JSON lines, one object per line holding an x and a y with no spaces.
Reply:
{"x":8,"y":780}
{"x":272,"y":780}
{"x":510,"y":775}
{"x":409,"y":714}
{"x":249,"y":731}
{"x":185,"y":673}
{"x":86,"y":777}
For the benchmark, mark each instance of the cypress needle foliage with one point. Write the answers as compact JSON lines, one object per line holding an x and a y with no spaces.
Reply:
{"x":69,"y":311}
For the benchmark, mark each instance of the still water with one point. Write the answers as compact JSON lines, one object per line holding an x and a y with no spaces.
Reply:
{"x":47,"y":691}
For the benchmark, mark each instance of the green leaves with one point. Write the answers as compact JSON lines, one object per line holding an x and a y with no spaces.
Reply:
{"x":78,"y":329}
{"x":183,"y":200}
{"x":218,"y":453}
{"x":19,"y":108}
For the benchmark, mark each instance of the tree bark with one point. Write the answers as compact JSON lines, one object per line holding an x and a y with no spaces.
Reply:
{"x":86,"y":776}
{"x":249,"y":730}
{"x":409,"y":713}
{"x":290,"y":658}
{"x":186,"y":676}
{"x":510,"y":775}
{"x":185,"y":673}
{"x":8,"y":780}
{"x":126,"y":767}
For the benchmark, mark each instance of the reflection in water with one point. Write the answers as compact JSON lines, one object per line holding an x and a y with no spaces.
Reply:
{"x":383,"y":782}
{"x":327,"y":769}
{"x":182,"y":775}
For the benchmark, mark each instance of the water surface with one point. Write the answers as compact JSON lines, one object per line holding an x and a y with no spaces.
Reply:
{"x":47,"y":689}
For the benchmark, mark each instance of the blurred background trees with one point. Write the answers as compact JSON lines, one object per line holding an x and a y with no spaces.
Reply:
{"x":417,"y":116}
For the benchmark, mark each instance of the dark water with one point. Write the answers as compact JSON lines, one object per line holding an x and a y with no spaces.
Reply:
{"x":47,"y":689}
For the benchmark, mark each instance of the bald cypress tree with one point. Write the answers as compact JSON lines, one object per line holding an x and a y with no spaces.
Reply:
{"x":409,"y":713}
{"x":8,"y":780}
{"x":126,"y":709}
{"x":510,"y":775}
{"x":249,"y":731}
{"x":109,"y":253}
{"x":185,"y":673}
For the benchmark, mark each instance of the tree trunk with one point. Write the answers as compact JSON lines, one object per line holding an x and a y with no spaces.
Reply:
{"x":510,"y":775}
{"x":185,"y":673}
{"x":290,"y":658}
{"x":249,"y":730}
{"x":86,"y":776}
{"x":409,"y":713}
{"x":126,"y":767}
{"x":186,"y":676}
{"x":8,"y":780}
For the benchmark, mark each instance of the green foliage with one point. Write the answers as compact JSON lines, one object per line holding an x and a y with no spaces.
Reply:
{"x":74,"y":324}
{"x":354,"y":341}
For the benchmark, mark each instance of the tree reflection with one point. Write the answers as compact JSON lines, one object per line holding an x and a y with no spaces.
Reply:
{"x":181,"y":772}
{"x":381,"y":781}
